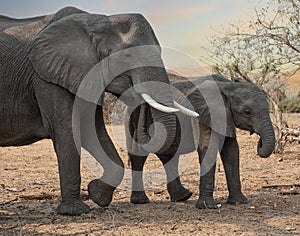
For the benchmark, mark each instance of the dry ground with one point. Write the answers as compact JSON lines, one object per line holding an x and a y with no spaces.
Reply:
{"x":29,"y":195}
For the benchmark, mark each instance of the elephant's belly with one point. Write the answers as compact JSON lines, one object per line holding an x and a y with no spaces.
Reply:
{"x":22,"y":134}
{"x":20,"y":123}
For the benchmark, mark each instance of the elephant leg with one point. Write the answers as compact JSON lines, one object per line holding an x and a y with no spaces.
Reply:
{"x":138,"y":195}
{"x":96,"y":141}
{"x":207,"y":152}
{"x":69,"y":175}
{"x":230,"y":159}
{"x":175,"y":188}
{"x":56,"y":111}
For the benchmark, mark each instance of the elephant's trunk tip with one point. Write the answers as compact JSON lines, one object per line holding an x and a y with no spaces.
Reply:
{"x":265,"y":149}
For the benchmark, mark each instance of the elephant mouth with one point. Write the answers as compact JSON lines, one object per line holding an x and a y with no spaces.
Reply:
{"x":265,"y":145}
{"x":260,"y":144}
{"x":248,"y":128}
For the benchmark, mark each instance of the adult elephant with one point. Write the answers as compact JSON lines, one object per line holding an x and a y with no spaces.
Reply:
{"x":48,"y":62}
{"x":240,"y":104}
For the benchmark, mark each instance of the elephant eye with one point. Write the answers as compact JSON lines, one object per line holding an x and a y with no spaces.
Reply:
{"x":248,"y":113}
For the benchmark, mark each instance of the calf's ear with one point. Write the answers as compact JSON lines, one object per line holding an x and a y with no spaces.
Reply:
{"x":213,"y":107}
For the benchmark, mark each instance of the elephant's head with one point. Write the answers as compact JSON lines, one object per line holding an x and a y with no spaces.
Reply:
{"x":76,"y":45}
{"x":250,"y":111}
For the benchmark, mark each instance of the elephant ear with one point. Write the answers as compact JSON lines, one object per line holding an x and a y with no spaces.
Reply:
{"x":63,"y":52}
{"x":230,"y":126}
{"x":213,"y":107}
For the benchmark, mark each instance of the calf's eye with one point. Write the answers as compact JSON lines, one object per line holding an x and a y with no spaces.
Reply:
{"x":248,"y":113}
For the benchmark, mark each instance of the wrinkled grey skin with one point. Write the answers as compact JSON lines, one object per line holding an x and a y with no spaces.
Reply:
{"x":42,"y":63}
{"x":246,"y":108}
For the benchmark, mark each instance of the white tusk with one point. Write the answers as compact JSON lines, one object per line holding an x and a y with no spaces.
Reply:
{"x":185,"y":111}
{"x":156,"y":105}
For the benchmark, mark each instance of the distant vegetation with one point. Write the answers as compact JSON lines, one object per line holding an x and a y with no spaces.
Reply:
{"x":290,"y":106}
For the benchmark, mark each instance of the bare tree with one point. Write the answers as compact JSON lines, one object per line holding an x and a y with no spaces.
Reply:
{"x":265,"y":51}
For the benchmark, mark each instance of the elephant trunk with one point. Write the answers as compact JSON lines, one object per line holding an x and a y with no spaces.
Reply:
{"x":156,"y":130}
{"x":164,"y":128}
{"x":154,"y":82}
{"x":266,"y":142}
{"x":159,"y":133}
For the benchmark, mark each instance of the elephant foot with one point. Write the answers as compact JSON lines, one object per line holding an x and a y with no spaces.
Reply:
{"x":237,"y":198}
{"x":139,"y":197}
{"x":73,"y":208}
{"x":207,"y":203}
{"x":180,"y":195}
{"x":100,"y":192}
{"x":177,"y":192}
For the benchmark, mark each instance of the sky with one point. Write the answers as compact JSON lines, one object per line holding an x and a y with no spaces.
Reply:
{"x":182,"y":26}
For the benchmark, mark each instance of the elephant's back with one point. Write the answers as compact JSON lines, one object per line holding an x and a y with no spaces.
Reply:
{"x":188,"y":82}
{"x":27,"y":28}
{"x":23,"y":29}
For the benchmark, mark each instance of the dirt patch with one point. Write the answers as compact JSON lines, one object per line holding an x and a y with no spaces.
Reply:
{"x":29,"y":195}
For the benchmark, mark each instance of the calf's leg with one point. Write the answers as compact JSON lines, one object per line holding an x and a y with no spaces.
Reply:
{"x":207,"y":152}
{"x":230,"y":159}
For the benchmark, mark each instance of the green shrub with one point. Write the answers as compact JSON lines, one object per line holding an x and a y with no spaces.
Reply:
{"x":290,"y":106}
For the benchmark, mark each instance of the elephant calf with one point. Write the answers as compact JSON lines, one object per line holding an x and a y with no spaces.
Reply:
{"x":240,"y":104}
